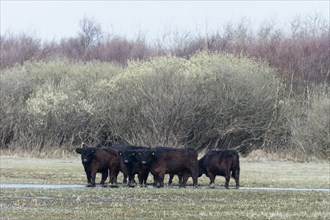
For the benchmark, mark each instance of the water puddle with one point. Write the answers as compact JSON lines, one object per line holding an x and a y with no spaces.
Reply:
{"x":283,"y":189}
{"x":46,"y":186}
{"x":26,"y":197}
{"x":64,"y":186}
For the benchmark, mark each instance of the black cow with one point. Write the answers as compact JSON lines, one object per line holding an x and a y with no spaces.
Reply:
{"x":101,"y":160}
{"x":129,"y":157}
{"x":86,"y":159}
{"x":220,"y":162}
{"x":163,"y":160}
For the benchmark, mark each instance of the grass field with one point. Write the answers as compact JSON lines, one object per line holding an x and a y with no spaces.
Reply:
{"x":165,"y":203}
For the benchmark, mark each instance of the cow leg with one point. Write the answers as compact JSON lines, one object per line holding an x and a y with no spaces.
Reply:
{"x":145,"y":178}
{"x":184,"y":178}
{"x":141,"y":179}
{"x":131,"y":180}
{"x":212,"y":179}
{"x":156,"y":181}
{"x":194,"y":176}
{"x":195,"y":180}
{"x":237,"y":182}
{"x":181,"y":179}
{"x":88,"y":175}
{"x":113,"y":176}
{"x":235,"y":175}
{"x":104,"y":176}
{"x":125,"y":178}
{"x":130,"y":177}
{"x":109,"y":172}
{"x":93,"y":175}
{"x":170,"y":179}
{"x":161,"y":179}
{"x":227,"y":180}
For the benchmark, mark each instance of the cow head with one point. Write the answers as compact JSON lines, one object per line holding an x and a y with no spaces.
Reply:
{"x":146,"y":156}
{"x":87,"y":153}
{"x":128,"y":156}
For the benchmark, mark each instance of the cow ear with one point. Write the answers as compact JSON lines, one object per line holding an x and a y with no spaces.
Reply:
{"x":79,"y":150}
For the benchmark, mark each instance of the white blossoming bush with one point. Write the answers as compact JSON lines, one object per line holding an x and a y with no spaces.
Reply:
{"x":51,"y":103}
{"x":45,"y":102}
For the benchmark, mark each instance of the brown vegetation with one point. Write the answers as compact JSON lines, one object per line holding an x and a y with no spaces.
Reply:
{"x":300,"y":52}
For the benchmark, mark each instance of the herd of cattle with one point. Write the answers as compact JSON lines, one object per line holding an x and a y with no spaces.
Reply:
{"x":132,"y":160}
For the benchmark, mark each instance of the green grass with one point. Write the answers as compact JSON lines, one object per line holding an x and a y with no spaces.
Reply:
{"x":164,"y":203}
{"x":141,"y":203}
{"x":253,"y":174}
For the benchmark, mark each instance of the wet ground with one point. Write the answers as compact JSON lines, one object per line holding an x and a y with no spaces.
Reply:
{"x":63,"y":186}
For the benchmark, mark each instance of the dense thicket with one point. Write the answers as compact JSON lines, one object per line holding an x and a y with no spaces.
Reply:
{"x":266,"y":89}
{"x":208,"y":101}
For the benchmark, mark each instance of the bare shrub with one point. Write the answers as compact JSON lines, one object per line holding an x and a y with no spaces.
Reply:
{"x":18,"y":49}
{"x":209,"y":101}
{"x":301,"y":53}
{"x":120,"y":50}
{"x":150,"y":102}
{"x":310,"y":126}
{"x":89,"y":35}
